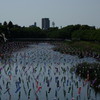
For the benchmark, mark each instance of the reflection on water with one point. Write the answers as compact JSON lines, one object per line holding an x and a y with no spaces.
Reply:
{"x":39,"y":73}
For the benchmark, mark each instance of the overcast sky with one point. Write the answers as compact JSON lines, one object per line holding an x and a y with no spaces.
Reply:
{"x":62,"y":12}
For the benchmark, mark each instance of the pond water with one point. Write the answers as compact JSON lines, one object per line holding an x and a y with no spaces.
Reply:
{"x":39,"y":73}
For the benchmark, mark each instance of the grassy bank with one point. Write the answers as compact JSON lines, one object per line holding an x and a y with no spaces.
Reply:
{"x":79,"y":48}
{"x":84,"y":45}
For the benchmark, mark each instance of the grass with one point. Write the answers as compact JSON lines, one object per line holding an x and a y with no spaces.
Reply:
{"x":79,"y":48}
{"x":84,"y":45}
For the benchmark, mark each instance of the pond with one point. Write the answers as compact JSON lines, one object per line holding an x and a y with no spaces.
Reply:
{"x":39,"y":73}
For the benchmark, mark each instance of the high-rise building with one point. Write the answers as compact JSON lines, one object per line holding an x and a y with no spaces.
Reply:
{"x":45,"y":23}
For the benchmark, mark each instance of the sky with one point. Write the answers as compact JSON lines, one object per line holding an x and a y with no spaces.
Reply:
{"x":62,"y":12}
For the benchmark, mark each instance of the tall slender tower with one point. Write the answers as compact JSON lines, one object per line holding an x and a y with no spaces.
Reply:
{"x":35,"y":24}
{"x":45,"y":23}
{"x":53,"y":24}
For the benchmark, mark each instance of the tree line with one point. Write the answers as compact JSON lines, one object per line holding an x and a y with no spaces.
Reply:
{"x":73,"y":32}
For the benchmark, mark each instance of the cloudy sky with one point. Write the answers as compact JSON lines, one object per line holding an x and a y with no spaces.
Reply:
{"x":62,"y":12}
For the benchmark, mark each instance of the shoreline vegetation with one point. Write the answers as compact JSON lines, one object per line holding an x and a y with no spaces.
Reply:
{"x":79,"y":48}
{"x":90,"y":72}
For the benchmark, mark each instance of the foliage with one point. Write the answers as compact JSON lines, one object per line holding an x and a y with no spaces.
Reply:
{"x":90,"y":71}
{"x":73,"y":32}
{"x":89,"y":35}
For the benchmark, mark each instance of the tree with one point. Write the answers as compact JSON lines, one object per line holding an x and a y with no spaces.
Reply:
{"x":10,"y":25}
{"x":5,"y":23}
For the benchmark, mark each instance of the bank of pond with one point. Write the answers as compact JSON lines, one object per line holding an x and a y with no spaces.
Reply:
{"x":80,"y":48}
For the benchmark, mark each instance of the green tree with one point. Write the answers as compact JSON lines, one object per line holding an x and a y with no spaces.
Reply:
{"x":10,"y":25}
{"x":5,"y":23}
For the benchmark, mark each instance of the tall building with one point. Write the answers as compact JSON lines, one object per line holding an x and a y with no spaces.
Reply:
{"x":45,"y":23}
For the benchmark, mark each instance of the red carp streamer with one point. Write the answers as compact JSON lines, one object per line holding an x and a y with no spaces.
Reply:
{"x":79,"y":90}
{"x":38,"y":89}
